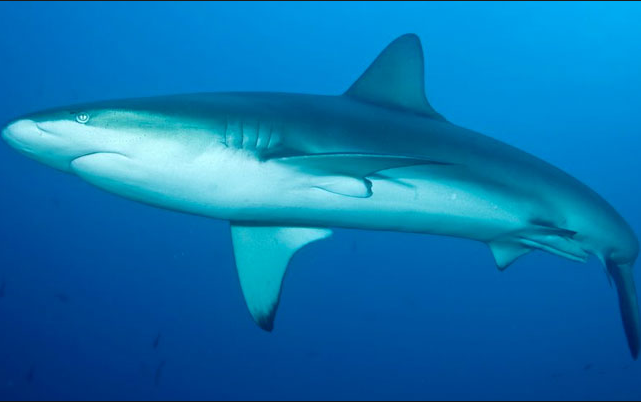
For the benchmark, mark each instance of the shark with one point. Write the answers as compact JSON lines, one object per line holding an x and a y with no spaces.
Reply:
{"x":286,"y":169}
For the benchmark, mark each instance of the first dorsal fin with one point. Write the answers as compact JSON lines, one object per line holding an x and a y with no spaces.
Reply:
{"x":396,"y":78}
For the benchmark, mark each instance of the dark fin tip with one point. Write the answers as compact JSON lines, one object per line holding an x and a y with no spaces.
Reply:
{"x":266,"y":322}
{"x":266,"y":326}
{"x":634,"y":345}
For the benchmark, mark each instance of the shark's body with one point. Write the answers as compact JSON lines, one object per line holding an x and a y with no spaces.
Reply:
{"x":283,"y":168}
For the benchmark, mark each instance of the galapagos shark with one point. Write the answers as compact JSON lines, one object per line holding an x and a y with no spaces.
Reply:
{"x":286,"y":168}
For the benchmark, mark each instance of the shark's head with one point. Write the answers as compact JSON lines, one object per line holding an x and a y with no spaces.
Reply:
{"x":144,"y":149}
{"x":57,"y":138}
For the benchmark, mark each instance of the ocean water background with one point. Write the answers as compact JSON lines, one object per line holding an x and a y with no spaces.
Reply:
{"x":91,"y":280}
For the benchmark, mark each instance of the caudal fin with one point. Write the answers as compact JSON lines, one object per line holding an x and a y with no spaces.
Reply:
{"x":623,"y":278}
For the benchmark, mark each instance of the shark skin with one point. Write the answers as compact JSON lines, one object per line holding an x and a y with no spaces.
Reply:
{"x":285,"y":168}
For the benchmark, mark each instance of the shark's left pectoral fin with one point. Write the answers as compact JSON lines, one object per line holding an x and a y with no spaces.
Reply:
{"x":347,"y":173}
{"x":262,"y":254}
{"x":352,"y":164}
{"x":345,"y":185}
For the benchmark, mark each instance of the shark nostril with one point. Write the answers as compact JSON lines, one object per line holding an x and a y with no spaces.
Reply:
{"x":41,"y":130}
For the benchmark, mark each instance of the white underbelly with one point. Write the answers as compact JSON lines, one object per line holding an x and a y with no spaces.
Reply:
{"x":226,"y":186}
{"x":426,"y":207}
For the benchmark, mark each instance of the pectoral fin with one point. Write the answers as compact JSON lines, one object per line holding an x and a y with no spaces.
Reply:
{"x":262,"y":254}
{"x":351,"y":164}
{"x":346,"y":174}
{"x":345,"y":185}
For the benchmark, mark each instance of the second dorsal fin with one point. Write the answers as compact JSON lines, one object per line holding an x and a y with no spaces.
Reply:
{"x":396,"y":78}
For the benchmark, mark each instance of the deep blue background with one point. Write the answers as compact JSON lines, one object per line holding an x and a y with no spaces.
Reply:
{"x":364,"y":314}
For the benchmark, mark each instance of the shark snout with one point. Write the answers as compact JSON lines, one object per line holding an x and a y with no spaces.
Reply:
{"x":22,"y":135}
{"x":27,"y":137}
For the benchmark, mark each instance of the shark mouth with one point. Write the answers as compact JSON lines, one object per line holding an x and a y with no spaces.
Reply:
{"x":96,"y":154}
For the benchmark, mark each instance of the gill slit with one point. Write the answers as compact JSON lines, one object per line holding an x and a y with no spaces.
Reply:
{"x":242,"y":134}
{"x":257,"y":134}
{"x":225,"y":134}
{"x":269,"y":138}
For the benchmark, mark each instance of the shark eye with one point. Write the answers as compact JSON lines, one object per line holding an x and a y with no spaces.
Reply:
{"x":82,"y":118}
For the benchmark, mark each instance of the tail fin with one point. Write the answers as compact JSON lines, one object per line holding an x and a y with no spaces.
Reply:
{"x":623,"y":278}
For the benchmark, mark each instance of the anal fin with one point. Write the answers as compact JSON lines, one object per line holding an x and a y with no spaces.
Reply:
{"x":553,"y":240}
{"x":262,"y":255}
{"x":506,"y":252}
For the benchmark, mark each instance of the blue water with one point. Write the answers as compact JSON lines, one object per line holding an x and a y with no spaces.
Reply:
{"x":91,"y":279}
